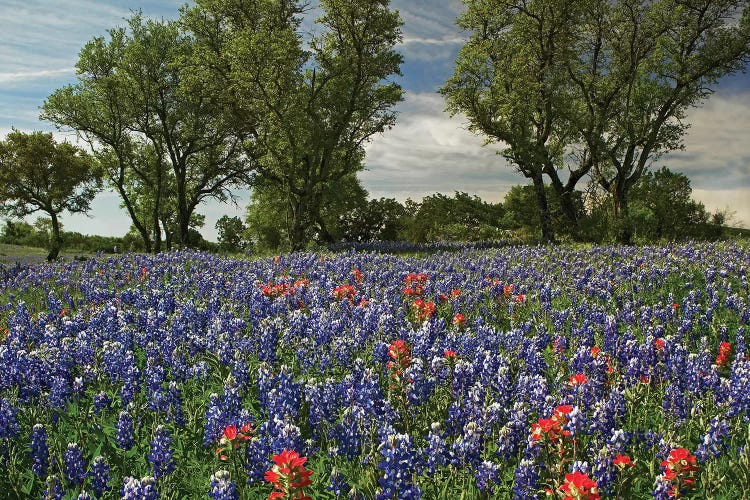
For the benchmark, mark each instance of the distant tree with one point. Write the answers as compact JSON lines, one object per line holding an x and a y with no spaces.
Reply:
{"x":638,"y":68}
{"x":459,"y":218}
{"x":520,"y":211}
{"x":310,"y":106}
{"x":508,"y":81}
{"x":268,"y":214}
{"x":231,"y":233}
{"x":39,"y":175}
{"x":663,"y":206}
{"x":164,"y":146}
{"x":376,"y":220}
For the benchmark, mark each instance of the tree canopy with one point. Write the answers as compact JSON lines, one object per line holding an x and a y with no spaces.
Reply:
{"x":37,"y":174}
{"x":592,"y":86}
{"x":307,"y":108}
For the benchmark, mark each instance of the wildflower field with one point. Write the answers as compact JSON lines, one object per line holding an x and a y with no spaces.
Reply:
{"x":518,"y":372}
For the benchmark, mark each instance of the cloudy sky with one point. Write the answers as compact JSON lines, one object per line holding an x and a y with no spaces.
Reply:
{"x":426,"y":152}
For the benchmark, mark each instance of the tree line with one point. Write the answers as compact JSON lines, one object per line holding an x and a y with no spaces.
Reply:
{"x":234,"y":94}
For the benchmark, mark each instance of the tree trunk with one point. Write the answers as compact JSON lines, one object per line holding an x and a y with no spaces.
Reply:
{"x":167,"y":234}
{"x":565,"y":195}
{"x":297,"y":238}
{"x":56,"y":241}
{"x":622,"y":214}
{"x":545,"y":219}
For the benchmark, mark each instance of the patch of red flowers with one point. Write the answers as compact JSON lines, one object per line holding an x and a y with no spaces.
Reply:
{"x":232,"y":438}
{"x":358,"y":275}
{"x":659,"y":344}
{"x":274,"y":290}
{"x":344,"y":292}
{"x":623,"y":462}
{"x":679,"y":469}
{"x":414,"y":284}
{"x":289,"y":476}
{"x":725,"y":351}
{"x":579,"y":486}
{"x":578,"y":379}
{"x":552,"y":428}
{"x":400,"y":355}
{"x":424,"y":309}
{"x":459,"y":320}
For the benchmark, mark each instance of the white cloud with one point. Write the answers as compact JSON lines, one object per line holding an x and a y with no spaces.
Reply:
{"x":428,"y":151}
{"x":20,"y":76}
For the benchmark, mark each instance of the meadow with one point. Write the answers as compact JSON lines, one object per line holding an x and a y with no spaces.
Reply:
{"x":475,"y":373}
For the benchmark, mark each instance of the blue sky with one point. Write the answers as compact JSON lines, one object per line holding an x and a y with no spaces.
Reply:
{"x":426,"y":152}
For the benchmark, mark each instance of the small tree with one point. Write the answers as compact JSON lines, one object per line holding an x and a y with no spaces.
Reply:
{"x":231,"y":231}
{"x":39,"y":175}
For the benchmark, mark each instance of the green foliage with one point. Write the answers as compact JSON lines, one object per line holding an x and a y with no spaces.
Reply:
{"x":39,"y":175}
{"x":163,"y":146}
{"x":592,"y":86}
{"x":231,"y":231}
{"x":458,"y":218}
{"x":307,"y":113}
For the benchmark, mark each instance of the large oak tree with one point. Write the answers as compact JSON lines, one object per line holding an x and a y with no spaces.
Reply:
{"x":306,"y":107}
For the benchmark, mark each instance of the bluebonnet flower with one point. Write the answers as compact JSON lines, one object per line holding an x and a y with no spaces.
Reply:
{"x":100,"y":476}
{"x":525,"y":484}
{"x":222,"y":487}
{"x":75,"y":467}
{"x":84,"y":495}
{"x":161,"y":455}
{"x":53,"y":489}
{"x":712,"y":443}
{"x":399,"y":466}
{"x":436,"y":452}
{"x":125,"y":438}
{"x":135,"y":489}
{"x":338,"y":485}
{"x":39,"y":450}
{"x":487,"y":476}
{"x":467,"y":447}
{"x":101,"y":401}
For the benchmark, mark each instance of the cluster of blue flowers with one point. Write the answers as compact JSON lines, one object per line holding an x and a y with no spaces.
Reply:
{"x":172,"y":349}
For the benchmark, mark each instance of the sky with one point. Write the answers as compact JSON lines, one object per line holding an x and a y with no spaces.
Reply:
{"x":425,"y":152}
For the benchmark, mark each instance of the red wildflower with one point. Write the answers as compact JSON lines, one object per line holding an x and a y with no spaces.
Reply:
{"x":595,"y":352}
{"x":455,"y":293}
{"x":459,"y":320}
{"x":424,"y":310}
{"x":508,"y":291}
{"x":520,"y":298}
{"x":414,"y":284}
{"x":678,"y":469}
{"x":579,"y":486}
{"x":289,"y":476}
{"x":231,"y":438}
{"x":449,"y":354}
{"x":344,"y":292}
{"x":675,"y":306}
{"x":358,"y":276}
{"x":659,"y":344}
{"x":725,"y":350}
{"x":622,"y":462}
{"x":578,"y":379}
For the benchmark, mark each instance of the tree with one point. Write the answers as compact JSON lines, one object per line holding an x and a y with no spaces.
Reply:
{"x":508,"y":81}
{"x":664,"y":200}
{"x":309,"y":111}
{"x":231,"y":231}
{"x":638,"y":67}
{"x":376,"y":220}
{"x":268,"y":213}
{"x":156,"y":136}
{"x":39,"y":175}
